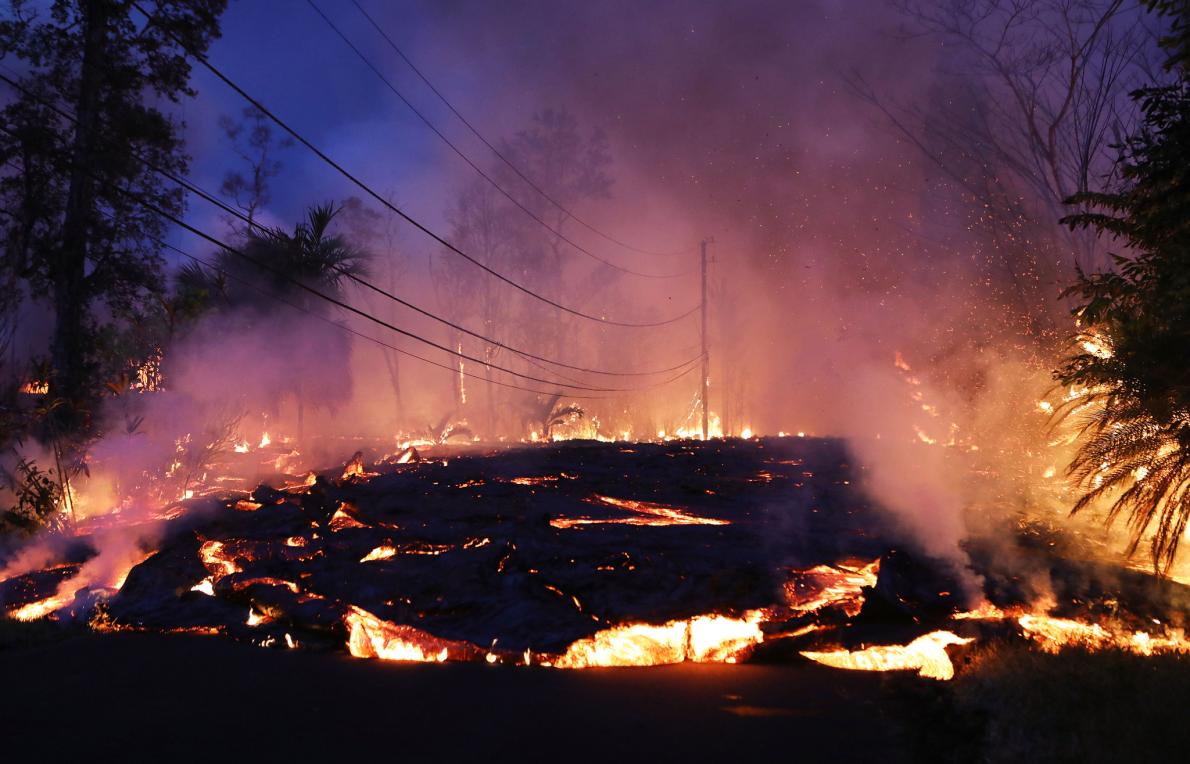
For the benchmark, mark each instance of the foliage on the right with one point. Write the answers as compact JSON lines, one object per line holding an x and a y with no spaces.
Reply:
{"x":1130,"y":367}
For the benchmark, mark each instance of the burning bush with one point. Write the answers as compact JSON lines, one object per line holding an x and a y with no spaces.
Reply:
{"x":1135,"y":325}
{"x":37,"y":494}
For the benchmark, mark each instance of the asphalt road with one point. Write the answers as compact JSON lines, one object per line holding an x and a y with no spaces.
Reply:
{"x":140,"y":697}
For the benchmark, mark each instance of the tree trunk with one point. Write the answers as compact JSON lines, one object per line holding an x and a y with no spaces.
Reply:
{"x":68,"y":348}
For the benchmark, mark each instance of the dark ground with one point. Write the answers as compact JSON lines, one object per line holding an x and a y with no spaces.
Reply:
{"x":133,"y":697}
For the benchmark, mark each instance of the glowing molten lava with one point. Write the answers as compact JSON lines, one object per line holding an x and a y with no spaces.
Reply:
{"x":647,"y":513}
{"x":42,"y":608}
{"x":217,"y":560}
{"x":100,"y":573}
{"x":703,"y":639}
{"x":822,"y":585}
{"x":372,"y":637}
{"x":384,"y":552}
{"x":343,"y":518}
{"x":926,"y":654}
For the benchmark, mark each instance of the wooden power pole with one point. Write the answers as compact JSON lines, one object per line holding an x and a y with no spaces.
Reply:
{"x":706,"y":358}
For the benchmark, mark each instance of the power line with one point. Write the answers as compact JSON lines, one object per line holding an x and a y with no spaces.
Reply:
{"x":387,"y":204}
{"x":149,"y":205}
{"x":534,"y":216}
{"x":348,"y":329}
{"x":212,"y":199}
{"x":501,"y":155}
{"x":384,"y":344}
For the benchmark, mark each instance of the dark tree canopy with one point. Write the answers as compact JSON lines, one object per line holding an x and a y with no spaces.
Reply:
{"x":97,"y":81}
{"x":1135,"y":325}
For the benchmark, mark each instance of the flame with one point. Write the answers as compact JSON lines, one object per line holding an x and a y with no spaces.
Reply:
{"x":1097,"y":345}
{"x":1054,"y":634}
{"x":302,"y":486}
{"x":926,"y":654}
{"x":985,"y":611}
{"x":35,"y":388}
{"x":264,"y":440}
{"x":242,"y":447}
{"x":746,"y":433}
{"x":355,"y":468}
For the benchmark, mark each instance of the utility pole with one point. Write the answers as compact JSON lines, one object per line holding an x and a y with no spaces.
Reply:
{"x":706,"y":358}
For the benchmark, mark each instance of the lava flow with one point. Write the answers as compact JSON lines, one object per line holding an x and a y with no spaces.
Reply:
{"x":926,"y":655}
{"x":702,"y":639}
{"x":443,"y":571}
{"x":372,"y":637}
{"x":647,"y":513}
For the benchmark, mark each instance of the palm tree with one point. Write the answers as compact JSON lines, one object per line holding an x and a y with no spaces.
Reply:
{"x":312,"y":257}
{"x":1127,"y":372}
{"x":548,"y":413}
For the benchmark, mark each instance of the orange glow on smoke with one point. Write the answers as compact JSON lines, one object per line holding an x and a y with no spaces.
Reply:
{"x":88,"y":576}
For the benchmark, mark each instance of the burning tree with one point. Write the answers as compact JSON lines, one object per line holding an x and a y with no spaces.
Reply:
{"x":1130,"y":364}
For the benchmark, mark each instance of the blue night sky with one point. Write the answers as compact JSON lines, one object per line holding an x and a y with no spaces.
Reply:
{"x":711,"y":109}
